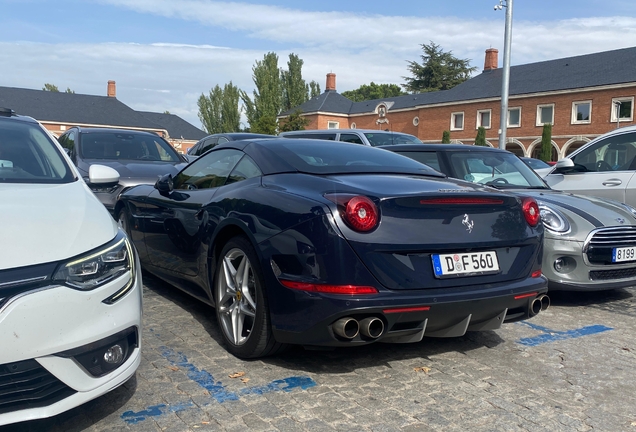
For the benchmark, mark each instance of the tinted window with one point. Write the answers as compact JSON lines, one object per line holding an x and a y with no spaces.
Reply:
{"x":315,"y":157}
{"x":388,"y":138}
{"x":29,"y":155}
{"x":535,"y":163}
{"x":208,"y":171}
{"x":615,"y":153}
{"x":428,"y":158}
{"x":126,"y":146}
{"x":351,"y":138}
{"x":245,"y":169}
{"x":207,"y":145}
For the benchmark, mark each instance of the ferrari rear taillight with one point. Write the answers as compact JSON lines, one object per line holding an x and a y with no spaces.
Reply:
{"x":329,"y":289}
{"x":531,"y":211}
{"x":358,"y":211}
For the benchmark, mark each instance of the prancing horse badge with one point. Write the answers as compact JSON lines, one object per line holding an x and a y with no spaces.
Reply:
{"x":468,"y":223}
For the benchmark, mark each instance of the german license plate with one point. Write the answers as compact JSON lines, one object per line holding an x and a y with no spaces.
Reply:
{"x":465,"y":264}
{"x":624,"y":254}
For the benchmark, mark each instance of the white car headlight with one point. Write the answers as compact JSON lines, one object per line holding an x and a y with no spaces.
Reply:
{"x":98,"y":267}
{"x":553,"y":219}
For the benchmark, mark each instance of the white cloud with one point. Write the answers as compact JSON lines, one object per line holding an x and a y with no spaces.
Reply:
{"x":358,"y":48}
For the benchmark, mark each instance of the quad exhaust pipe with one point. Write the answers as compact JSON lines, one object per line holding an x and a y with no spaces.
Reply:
{"x":348,"y":328}
{"x":539,"y":304}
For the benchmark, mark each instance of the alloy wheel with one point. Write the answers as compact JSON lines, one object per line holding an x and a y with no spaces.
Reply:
{"x":236,"y":294}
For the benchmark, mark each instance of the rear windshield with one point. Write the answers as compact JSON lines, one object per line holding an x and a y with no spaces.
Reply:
{"x":126,"y":146}
{"x":388,"y":138}
{"x":29,"y":155}
{"x":321,"y":157}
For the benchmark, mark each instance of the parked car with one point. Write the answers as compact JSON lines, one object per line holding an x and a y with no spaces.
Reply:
{"x":368,"y":137}
{"x":540,"y":167}
{"x":604,"y":167}
{"x":138,"y":157}
{"x":210,"y":141}
{"x":329,"y":244}
{"x":589,"y":244}
{"x":70,"y":282}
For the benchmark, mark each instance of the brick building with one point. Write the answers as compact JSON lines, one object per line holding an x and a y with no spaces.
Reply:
{"x":582,"y":96}
{"x":58,"y":111}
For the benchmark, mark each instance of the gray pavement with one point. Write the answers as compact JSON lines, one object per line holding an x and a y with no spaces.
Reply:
{"x":571,"y":368}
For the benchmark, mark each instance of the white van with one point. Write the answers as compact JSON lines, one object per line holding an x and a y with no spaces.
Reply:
{"x":368,"y":137}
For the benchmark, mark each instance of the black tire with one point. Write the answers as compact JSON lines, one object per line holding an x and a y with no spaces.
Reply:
{"x":254,"y":338}
{"x":123,"y":220}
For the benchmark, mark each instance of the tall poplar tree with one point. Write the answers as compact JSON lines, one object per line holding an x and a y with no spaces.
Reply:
{"x":220,"y":112}
{"x":261,"y":111}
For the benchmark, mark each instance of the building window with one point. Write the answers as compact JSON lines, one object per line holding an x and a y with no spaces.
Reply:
{"x":545,"y":114}
{"x":353,"y":125}
{"x":416,"y":121}
{"x":514,"y":117}
{"x":62,"y":127}
{"x":581,"y":112}
{"x":622,"y":109}
{"x":333,"y":125}
{"x":457,"y":121}
{"x":483,"y":118}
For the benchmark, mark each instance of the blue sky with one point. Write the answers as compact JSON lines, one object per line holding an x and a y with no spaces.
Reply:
{"x":165,"y":53}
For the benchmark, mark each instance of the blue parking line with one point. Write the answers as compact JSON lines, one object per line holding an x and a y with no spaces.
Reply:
{"x":550,"y":335}
{"x":216,"y":389}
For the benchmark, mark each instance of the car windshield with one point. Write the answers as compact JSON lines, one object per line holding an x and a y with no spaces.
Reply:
{"x":322,"y":157}
{"x":387,"y":138}
{"x":497,"y":169}
{"x":126,"y":146}
{"x":29,"y":155}
{"x":535,"y":163}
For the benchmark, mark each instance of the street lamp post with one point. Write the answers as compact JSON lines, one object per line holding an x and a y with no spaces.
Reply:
{"x":618,"y":113}
{"x":505,"y":80}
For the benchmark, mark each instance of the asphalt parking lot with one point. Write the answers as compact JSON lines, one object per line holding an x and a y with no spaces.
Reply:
{"x":570,"y":368}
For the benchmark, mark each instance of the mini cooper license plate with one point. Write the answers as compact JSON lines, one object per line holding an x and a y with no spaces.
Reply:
{"x":465,"y":264}
{"x":624,"y":254}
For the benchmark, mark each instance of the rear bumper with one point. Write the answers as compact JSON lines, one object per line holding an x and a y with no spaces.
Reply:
{"x":442,"y":313}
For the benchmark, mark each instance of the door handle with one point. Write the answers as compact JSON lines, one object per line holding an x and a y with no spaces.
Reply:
{"x":612,"y":182}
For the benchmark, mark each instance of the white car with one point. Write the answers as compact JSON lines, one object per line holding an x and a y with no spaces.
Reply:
{"x":605,"y":167}
{"x":70,"y":282}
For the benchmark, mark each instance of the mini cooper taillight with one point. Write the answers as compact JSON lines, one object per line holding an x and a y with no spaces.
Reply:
{"x":531,"y":211}
{"x":358,"y":211}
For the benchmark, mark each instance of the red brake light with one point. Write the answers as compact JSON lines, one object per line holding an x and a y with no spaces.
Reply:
{"x":536,"y":273}
{"x":531,"y":211}
{"x":329,"y":289}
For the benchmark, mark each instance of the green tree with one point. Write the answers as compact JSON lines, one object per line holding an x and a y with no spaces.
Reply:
{"x":295,"y":90}
{"x":68,"y":90}
{"x":51,"y":88}
{"x":261,"y":111}
{"x":295,"y":121}
{"x":373,"y":91}
{"x":219,"y":112}
{"x":314,"y":89}
{"x":480,"y":139}
{"x":439,"y":70}
{"x":546,"y":143}
{"x":446,"y":137}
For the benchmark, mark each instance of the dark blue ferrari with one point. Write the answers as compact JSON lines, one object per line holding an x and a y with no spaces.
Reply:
{"x":329,"y":244}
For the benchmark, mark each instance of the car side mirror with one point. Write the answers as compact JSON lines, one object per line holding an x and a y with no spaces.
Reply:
{"x":165,"y":184}
{"x":102,"y":175}
{"x":563,"y":166}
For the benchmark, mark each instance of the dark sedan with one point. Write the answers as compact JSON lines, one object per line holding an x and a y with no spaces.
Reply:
{"x":211,"y":141}
{"x":138,"y":157}
{"x":297,"y":241}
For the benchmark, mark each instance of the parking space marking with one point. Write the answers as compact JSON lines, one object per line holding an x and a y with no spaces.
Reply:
{"x":216,"y":388}
{"x":550,"y":335}
{"x":132,"y":417}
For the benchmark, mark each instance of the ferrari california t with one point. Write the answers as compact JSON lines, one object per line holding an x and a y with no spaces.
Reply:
{"x":318,"y":243}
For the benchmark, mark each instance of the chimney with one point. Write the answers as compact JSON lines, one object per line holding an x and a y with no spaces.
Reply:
{"x":112,"y":90}
{"x":331,"y":82}
{"x":492,"y":59}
